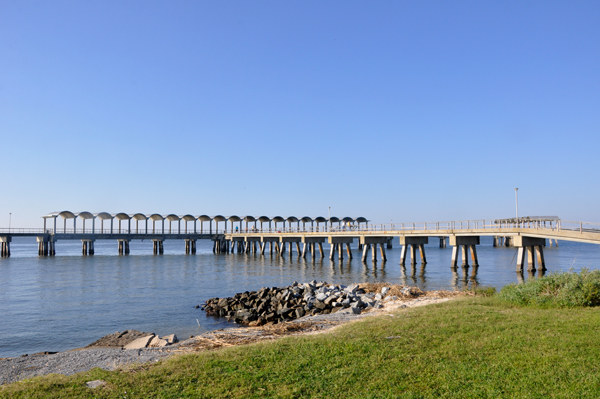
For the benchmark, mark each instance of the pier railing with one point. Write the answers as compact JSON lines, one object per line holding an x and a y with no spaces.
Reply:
{"x":459,"y":225}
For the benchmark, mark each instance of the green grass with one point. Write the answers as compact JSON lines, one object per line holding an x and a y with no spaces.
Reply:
{"x":477,"y":347}
{"x":556,"y":290}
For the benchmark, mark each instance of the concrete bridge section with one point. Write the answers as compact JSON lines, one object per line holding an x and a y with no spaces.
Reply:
{"x":526,"y":234}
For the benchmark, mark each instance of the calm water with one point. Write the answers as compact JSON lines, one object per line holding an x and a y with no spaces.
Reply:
{"x":69,"y":300}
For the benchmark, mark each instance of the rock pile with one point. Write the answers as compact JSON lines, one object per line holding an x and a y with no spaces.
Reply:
{"x":274,"y":305}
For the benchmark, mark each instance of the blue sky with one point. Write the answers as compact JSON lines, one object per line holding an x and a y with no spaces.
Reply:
{"x":403,"y":111}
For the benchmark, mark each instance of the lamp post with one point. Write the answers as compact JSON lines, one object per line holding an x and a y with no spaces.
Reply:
{"x":517,"y":202}
{"x":9,"y":220}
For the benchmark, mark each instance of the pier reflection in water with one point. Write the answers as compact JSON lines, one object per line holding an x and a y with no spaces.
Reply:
{"x":80,"y":299}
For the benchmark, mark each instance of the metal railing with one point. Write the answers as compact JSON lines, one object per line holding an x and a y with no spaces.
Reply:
{"x":389,"y":228}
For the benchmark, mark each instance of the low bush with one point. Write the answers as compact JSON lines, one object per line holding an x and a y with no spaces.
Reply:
{"x":567,"y":289}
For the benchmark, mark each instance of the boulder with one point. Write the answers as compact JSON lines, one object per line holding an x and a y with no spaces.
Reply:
{"x":157,"y":342}
{"x":139,"y":343}
{"x":171,"y":339}
{"x":384,"y":291}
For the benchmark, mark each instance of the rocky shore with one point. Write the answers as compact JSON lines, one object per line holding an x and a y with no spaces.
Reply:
{"x":275,"y":305}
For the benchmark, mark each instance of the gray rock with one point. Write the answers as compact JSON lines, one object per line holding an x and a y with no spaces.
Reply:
{"x":385,"y":290}
{"x":321,"y":297}
{"x":356,"y":310}
{"x":351,"y":288}
{"x":378,"y":305}
{"x":329,"y":301}
{"x":139,"y":343}
{"x":378,"y":297}
{"x":95,"y":383}
{"x":369,"y":303}
{"x":157,"y":342}
{"x":171,"y":339}
{"x":357,"y":304}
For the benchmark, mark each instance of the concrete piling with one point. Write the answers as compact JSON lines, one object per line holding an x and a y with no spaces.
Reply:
{"x":532,"y":247}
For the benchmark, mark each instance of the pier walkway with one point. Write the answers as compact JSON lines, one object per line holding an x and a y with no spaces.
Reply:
{"x":248,"y":234}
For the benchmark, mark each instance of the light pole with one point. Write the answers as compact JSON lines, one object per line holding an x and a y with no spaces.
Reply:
{"x":329,"y":212}
{"x":517,"y":202}
{"x":9,"y":220}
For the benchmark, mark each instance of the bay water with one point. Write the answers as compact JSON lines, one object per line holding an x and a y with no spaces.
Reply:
{"x":68,"y":301}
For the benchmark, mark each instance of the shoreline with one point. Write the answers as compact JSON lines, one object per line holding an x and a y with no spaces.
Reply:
{"x":83,"y":359}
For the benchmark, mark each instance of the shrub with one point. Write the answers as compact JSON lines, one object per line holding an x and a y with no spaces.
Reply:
{"x":484,"y":291}
{"x":567,"y":289}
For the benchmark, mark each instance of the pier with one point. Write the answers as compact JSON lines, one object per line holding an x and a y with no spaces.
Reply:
{"x":307,"y":235}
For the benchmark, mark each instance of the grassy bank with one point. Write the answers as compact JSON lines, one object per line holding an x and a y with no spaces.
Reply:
{"x":470,"y":347}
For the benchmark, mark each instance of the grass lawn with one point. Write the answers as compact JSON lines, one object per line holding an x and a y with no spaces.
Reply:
{"x":468,"y":347}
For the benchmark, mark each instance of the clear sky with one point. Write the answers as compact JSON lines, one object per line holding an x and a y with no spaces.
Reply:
{"x":392,"y":110}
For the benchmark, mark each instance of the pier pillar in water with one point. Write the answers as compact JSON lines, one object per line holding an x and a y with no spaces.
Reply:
{"x":413,"y":243}
{"x":468,"y":244}
{"x":371,"y":243}
{"x":442,"y":242}
{"x":251,"y":244}
{"x":237,"y":243}
{"x":87,"y":247}
{"x":309,"y":244}
{"x":190,"y":246}
{"x":366,"y":248}
{"x":43,"y":245}
{"x":374,"y":252}
{"x":533,"y":247}
{"x":123,"y":246}
{"x":157,"y":246}
{"x":338,"y":243}
{"x":5,"y":246}
{"x":284,"y":239}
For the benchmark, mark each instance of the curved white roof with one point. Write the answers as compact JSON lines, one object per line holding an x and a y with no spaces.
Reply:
{"x":140,"y":216}
{"x":202,"y":218}
{"x":122,"y":216}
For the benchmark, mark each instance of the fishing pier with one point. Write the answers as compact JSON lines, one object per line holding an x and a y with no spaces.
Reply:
{"x":306,"y":235}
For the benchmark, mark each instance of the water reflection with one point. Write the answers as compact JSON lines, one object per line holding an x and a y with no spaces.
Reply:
{"x":464,"y":281}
